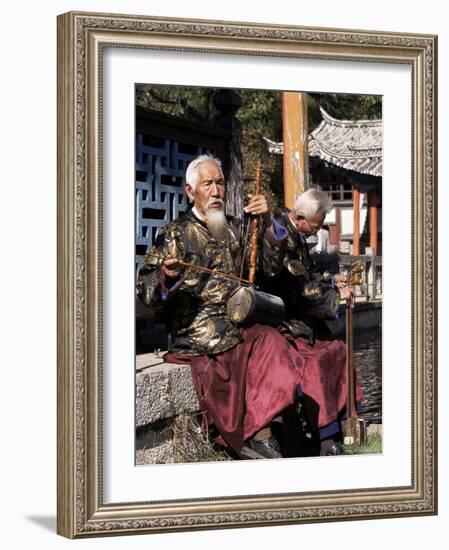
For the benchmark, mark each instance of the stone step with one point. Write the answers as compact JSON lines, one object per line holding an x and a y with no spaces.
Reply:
{"x":163,"y":390}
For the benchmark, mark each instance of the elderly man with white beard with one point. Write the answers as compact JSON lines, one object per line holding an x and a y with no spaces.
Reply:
{"x":244,"y":377}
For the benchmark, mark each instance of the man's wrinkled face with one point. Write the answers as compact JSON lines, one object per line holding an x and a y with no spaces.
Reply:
{"x":209,"y":191}
{"x":308,"y":226}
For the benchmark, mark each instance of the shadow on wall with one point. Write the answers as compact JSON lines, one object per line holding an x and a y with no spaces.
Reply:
{"x":46,"y":522}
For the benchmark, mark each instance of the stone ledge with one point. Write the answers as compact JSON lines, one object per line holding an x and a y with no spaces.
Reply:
{"x":163,"y":390}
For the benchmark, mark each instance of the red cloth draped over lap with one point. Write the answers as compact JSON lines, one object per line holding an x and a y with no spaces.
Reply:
{"x":242,"y":389}
{"x":324,"y":380}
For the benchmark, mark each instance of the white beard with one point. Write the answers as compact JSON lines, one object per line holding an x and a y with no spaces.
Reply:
{"x":216,"y":222}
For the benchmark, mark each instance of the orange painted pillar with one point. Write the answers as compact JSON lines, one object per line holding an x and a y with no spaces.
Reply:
{"x":373,"y":214}
{"x":356,"y":232}
{"x":295,"y":138}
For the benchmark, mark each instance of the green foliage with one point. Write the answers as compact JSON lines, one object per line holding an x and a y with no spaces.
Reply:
{"x":261,"y":116}
{"x":343,"y":107}
{"x":184,"y":102}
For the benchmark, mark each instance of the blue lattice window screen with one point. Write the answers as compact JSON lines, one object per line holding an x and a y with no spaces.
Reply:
{"x":160,"y":196}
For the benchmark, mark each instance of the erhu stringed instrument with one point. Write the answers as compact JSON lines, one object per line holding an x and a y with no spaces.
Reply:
{"x":353,"y":427}
{"x":248,"y":306}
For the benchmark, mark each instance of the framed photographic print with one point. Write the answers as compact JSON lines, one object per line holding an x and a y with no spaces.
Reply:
{"x":140,"y":448}
{"x":174,"y":126}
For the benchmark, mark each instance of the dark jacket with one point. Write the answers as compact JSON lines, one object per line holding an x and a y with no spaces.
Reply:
{"x":194,"y":307}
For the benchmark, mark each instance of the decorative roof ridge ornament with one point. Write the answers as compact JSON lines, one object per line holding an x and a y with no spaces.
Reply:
{"x":328,"y":119}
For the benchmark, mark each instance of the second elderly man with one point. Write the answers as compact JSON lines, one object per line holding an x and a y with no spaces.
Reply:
{"x":310,"y":299}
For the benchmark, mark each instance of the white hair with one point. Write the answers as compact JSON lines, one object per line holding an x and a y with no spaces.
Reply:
{"x":192,"y":172}
{"x":313,"y":201}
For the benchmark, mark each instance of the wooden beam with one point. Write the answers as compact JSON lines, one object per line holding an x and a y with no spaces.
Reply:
{"x":356,"y":230}
{"x":373,"y":213}
{"x":295,"y":138}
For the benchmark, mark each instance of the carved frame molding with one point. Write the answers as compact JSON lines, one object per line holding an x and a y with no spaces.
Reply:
{"x":81,"y":38}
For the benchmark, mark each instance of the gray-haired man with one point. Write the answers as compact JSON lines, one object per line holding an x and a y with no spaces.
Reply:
{"x":310,"y":298}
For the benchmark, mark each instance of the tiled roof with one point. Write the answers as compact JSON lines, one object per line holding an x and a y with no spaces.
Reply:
{"x":351,"y":144}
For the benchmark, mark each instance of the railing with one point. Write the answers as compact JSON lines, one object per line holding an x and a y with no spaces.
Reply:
{"x":371,"y":289}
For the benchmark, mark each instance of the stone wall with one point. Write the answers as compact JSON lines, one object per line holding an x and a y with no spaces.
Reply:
{"x":167,"y":415}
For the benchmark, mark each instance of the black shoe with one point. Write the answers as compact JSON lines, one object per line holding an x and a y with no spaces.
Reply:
{"x":267,"y":448}
{"x":329,"y":447}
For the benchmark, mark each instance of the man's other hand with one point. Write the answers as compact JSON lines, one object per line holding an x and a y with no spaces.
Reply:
{"x":171,"y":267}
{"x":347,"y":293}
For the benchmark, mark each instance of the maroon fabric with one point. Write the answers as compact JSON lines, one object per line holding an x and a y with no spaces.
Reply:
{"x":323,"y":380}
{"x":241,"y":390}
{"x":244,"y":388}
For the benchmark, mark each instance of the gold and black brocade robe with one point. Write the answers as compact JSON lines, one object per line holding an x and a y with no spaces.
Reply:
{"x":306,"y":293}
{"x":194,"y":307}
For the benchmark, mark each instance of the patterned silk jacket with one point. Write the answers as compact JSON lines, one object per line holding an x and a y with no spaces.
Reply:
{"x":195,"y":306}
{"x":307,"y":294}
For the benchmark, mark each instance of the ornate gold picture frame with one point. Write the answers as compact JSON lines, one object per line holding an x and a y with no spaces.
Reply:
{"x":82,"y":509}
